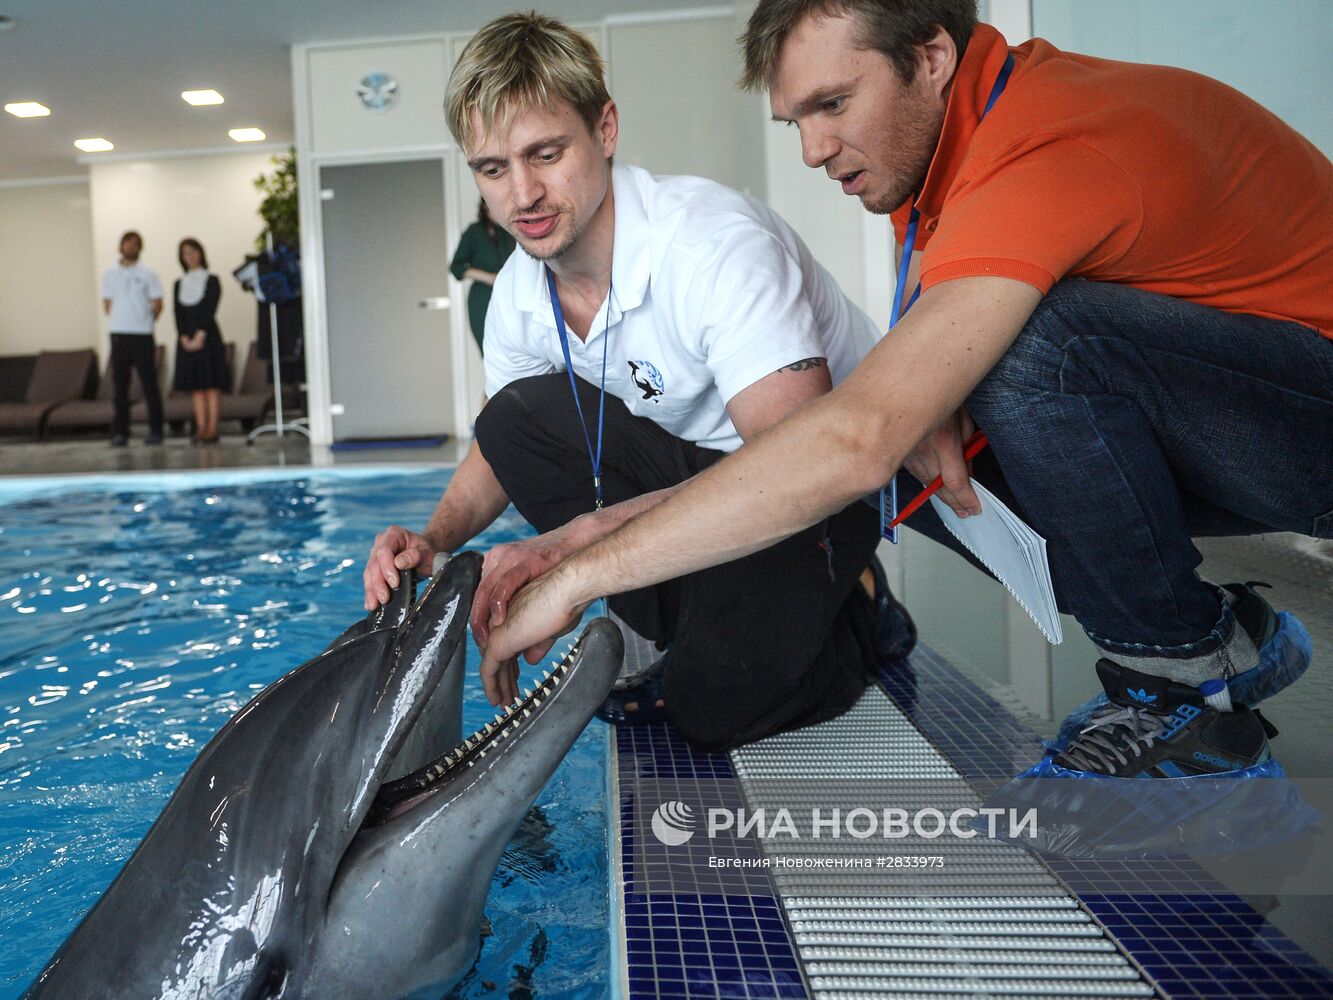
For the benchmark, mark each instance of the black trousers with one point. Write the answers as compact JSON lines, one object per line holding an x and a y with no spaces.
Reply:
{"x":778,"y":639}
{"x":137,"y":351}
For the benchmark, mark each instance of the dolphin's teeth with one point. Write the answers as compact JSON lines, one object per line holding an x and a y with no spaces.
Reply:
{"x":536,"y":702}
{"x":527,"y":693}
{"x":527,"y":712}
{"x":546,"y":675}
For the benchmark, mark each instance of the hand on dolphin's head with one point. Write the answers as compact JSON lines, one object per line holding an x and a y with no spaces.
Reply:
{"x":539,"y":614}
{"x":395,"y":549}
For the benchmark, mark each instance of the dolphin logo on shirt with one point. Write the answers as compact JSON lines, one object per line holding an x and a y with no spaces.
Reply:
{"x":647,"y":378}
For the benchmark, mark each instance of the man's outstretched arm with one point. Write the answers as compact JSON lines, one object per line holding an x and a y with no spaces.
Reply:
{"x":834,"y":451}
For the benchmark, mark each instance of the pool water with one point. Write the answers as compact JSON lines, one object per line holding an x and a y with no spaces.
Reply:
{"x":135,"y":621}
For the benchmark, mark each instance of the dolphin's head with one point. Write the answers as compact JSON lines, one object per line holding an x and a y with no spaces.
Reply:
{"x":227,"y":893}
{"x":407,"y":904}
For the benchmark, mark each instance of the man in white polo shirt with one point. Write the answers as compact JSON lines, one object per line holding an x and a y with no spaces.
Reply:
{"x":132,"y":301}
{"x":651,"y":326}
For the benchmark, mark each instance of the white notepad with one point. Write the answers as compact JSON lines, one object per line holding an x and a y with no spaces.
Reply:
{"x":1013,"y":552}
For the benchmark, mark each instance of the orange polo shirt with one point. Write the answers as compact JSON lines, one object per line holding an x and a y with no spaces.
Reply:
{"x":1140,"y":175}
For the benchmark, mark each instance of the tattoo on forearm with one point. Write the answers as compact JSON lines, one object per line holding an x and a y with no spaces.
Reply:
{"x":805,"y":365}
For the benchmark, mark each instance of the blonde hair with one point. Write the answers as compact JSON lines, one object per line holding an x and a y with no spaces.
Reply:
{"x":523,"y":60}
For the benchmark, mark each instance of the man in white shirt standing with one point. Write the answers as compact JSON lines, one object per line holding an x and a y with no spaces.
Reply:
{"x":693,"y":318}
{"x":132,"y":301}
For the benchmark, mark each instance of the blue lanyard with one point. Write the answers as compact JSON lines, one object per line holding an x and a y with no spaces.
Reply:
{"x":594,"y":458}
{"x":888,"y":495}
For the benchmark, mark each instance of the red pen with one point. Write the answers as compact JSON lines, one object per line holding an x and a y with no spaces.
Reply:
{"x":971,"y":450}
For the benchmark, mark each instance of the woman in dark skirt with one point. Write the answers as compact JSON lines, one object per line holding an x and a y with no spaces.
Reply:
{"x":201,"y":360}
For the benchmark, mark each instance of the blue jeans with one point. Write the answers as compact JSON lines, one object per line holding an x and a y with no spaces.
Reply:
{"x":1121,"y":423}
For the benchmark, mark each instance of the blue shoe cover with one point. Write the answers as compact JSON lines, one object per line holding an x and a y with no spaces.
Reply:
{"x":1093,"y":816}
{"x":1281,"y":662}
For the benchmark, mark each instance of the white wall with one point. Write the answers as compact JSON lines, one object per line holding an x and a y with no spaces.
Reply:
{"x":47,"y":290}
{"x":339,"y":122}
{"x":680,"y":110}
{"x":211,"y":198}
{"x":1276,"y":53}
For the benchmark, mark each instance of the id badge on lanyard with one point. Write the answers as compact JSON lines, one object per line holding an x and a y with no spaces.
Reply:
{"x":594,"y":457}
{"x":888,"y":494}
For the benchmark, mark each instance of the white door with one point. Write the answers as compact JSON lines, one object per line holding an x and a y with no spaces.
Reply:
{"x":386,"y":276}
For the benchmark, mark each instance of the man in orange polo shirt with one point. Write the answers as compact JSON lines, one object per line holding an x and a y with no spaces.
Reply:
{"x":1125,"y":275}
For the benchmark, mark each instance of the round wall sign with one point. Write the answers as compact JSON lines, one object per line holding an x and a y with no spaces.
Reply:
{"x":377,"y":91}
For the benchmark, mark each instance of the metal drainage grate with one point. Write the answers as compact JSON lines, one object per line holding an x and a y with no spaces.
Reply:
{"x":991,"y":921}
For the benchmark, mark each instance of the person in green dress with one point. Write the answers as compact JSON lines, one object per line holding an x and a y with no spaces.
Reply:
{"x":481,"y":253}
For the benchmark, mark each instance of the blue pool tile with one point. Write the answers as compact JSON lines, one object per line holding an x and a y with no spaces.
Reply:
{"x":707,"y":943}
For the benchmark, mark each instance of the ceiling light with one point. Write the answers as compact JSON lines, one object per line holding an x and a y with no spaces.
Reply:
{"x":247,"y":134}
{"x":98,"y":145}
{"x":201,"y":97}
{"x":28,"y":109}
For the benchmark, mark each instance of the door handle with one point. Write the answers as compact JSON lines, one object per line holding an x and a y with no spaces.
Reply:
{"x":437,"y":303}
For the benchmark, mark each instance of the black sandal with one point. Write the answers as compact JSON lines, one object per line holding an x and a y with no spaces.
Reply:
{"x":895,"y":632}
{"x":644,"y":692}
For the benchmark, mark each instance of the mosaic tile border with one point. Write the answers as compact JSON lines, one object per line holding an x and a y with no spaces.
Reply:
{"x":688,"y":943}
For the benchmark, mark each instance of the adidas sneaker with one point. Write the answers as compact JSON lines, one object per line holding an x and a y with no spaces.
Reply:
{"x":1152,"y":727}
{"x":1284,"y":648}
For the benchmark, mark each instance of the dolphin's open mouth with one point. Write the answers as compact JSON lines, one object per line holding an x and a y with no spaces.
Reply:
{"x":397,"y":797}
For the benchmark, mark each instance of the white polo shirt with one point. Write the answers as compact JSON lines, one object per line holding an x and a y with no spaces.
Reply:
{"x":131,"y":291}
{"x":710,"y":292}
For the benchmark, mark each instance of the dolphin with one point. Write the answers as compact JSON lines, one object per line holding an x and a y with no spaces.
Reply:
{"x":290,"y":863}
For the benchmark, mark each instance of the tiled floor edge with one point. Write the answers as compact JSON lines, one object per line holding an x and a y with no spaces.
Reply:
{"x":689,"y":932}
{"x":619,"y":973}
{"x":777,"y":895}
